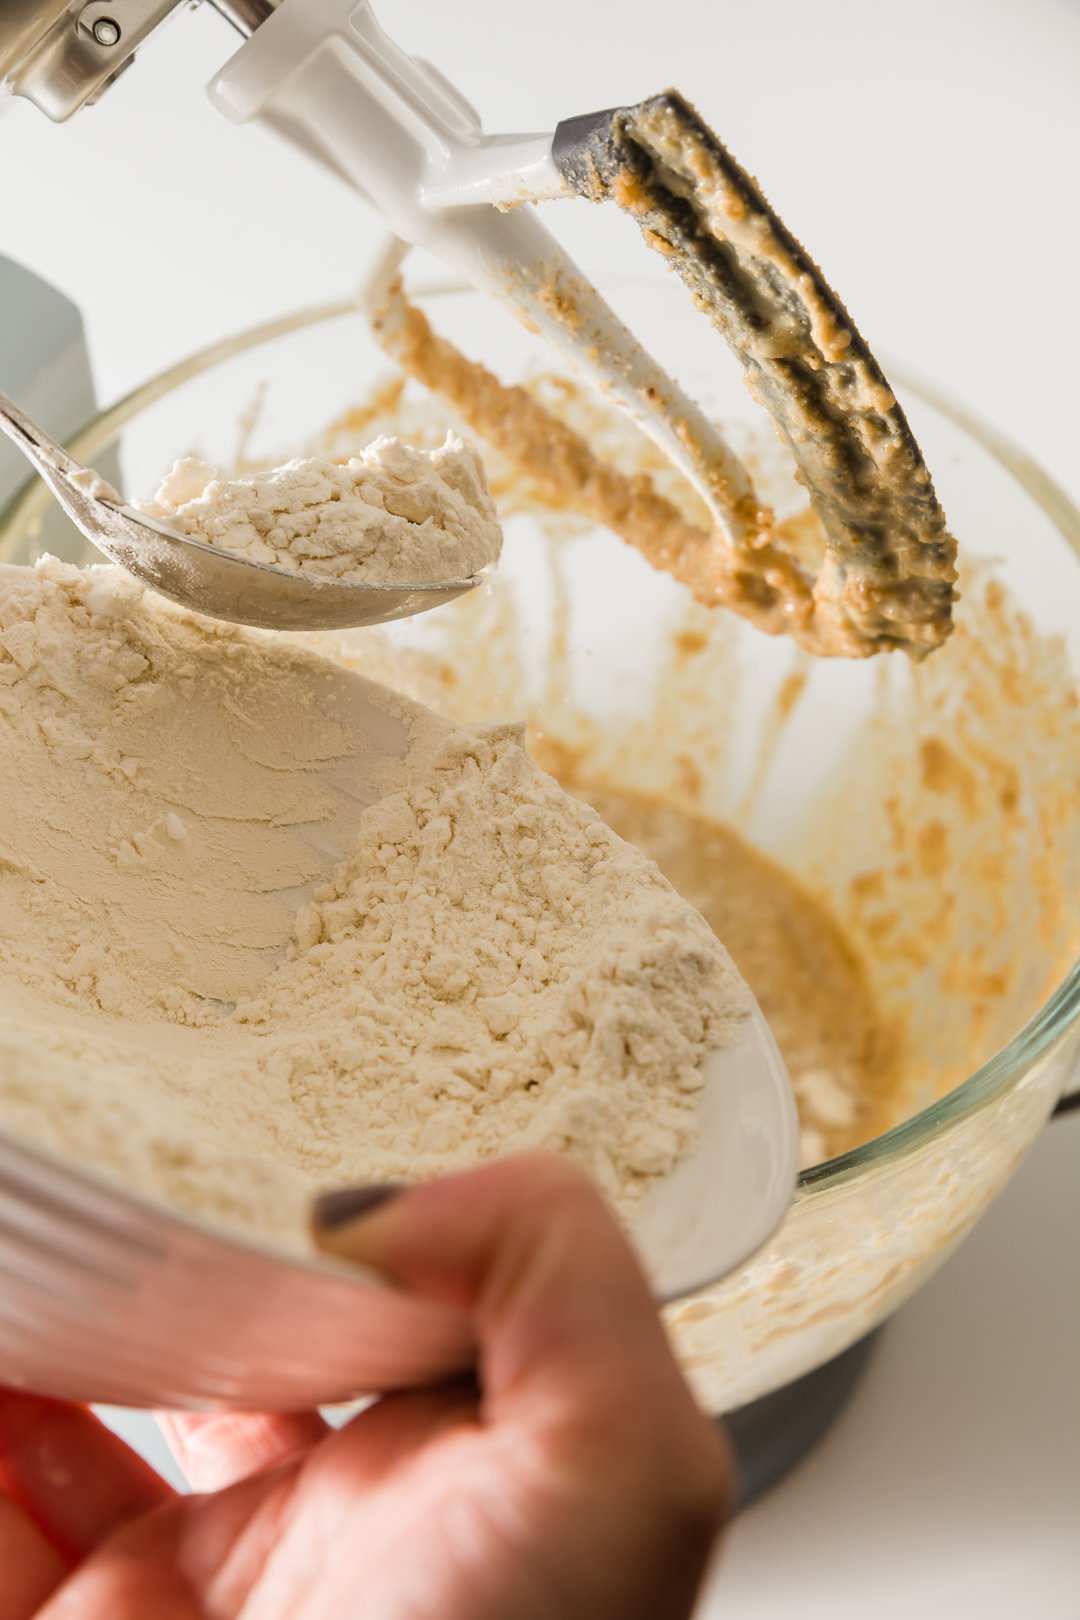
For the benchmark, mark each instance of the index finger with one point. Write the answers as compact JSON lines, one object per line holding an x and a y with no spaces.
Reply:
{"x":527,"y":1245}
{"x":32,"y":1568}
{"x":215,"y":1449}
{"x":71,"y":1475}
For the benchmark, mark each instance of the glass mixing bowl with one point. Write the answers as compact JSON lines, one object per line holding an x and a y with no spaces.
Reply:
{"x":932,"y":808}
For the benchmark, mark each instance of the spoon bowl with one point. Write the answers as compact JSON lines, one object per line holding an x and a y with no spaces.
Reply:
{"x":205,"y":578}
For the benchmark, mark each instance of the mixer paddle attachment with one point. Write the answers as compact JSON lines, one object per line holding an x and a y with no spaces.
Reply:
{"x":891,"y":560}
{"x":328,"y":77}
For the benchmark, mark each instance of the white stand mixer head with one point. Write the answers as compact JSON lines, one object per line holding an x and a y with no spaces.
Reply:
{"x":326,"y":76}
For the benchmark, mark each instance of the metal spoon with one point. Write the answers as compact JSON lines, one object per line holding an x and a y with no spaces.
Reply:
{"x":202,"y":577}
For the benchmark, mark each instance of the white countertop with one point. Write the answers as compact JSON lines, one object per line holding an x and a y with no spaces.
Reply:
{"x":950,"y":1487}
{"x":929,"y":155}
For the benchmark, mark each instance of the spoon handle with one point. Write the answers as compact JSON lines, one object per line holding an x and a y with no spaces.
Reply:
{"x":36,"y":445}
{"x":65,"y":476}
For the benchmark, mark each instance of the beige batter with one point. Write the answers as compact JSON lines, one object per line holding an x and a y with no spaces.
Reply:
{"x":796,"y":960}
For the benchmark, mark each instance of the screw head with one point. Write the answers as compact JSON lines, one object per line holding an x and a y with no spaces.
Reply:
{"x":106,"y":31}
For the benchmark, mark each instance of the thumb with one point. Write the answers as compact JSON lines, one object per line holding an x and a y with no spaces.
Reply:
{"x":598,"y":1452}
{"x":563,"y":1317}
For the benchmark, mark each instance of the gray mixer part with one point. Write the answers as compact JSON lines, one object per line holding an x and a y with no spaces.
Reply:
{"x":43,"y":362}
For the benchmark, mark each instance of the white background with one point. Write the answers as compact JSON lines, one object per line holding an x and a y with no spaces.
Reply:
{"x":929,"y":155}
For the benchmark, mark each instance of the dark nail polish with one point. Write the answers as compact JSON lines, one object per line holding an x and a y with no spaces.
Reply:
{"x":347,"y":1204}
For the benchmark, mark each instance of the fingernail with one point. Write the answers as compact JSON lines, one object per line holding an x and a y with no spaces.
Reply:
{"x":347,"y":1204}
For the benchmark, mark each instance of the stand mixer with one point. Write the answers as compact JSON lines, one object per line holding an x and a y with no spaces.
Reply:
{"x":860,"y":1214}
{"x":324,"y":74}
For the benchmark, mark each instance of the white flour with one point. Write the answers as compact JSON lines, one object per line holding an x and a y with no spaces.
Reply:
{"x":489,"y":968}
{"x":390,"y":515}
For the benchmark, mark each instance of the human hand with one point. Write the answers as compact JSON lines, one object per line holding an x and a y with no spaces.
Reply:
{"x":573,"y":1479}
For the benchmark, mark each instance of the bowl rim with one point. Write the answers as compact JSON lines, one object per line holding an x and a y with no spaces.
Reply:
{"x":1058,"y":1012}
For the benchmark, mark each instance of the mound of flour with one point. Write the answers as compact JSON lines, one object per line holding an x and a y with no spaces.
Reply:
{"x":488,"y":967}
{"x":390,"y":515}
